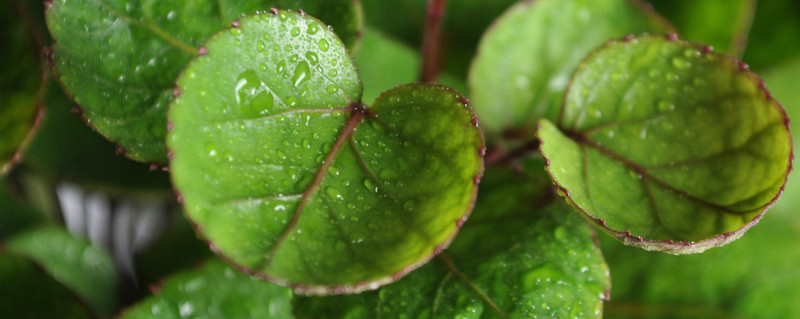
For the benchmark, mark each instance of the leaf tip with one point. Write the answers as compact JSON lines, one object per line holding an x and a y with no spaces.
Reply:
{"x":236,"y":23}
{"x":302,"y":13}
{"x":176,"y":91}
{"x":120,"y":150}
{"x":76,"y":110}
{"x":48,"y":4}
{"x":274,"y":11}
{"x":202,"y":51}
{"x":708,"y":49}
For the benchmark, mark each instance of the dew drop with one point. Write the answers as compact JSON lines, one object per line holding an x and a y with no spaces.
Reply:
{"x":334,"y":193}
{"x":295,"y":31}
{"x":312,"y":58}
{"x":236,"y":31}
{"x":370,"y":185}
{"x":332,"y":89}
{"x":666,"y":106}
{"x":681,"y":63}
{"x":408,"y":205}
{"x":301,"y":74}
{"x":211,"y":149}
{"x":313,"y":28}
{"x":324,"y":45}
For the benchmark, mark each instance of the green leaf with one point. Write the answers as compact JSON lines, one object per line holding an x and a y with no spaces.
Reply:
{"x":215,"y":291}
{"x":667,"y":145}
{"x":724,"y":24}
{"x":510,"y":260}
{"x":20,"y":81}
{"x":85,"y":269}
{"x":384,"y":64}
{"x":65,"y":149}
{"x":526,"y":58}
{"x":289,"y":175}
{"x":28,"y":292}
{"x":118,"y":60}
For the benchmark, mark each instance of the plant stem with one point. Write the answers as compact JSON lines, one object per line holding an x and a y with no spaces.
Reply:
{"x":431,"y":41}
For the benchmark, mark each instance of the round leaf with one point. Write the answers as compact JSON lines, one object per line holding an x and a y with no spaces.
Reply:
{"x":118,"y":59}
{"x":20,"y":83}
{"x":85,"y":269}
{"x":215,"y":291}
{"x":524,"y":61}
{"x":289,"y":175}
{"x":510,"y":260}
{"x":667,"y":145}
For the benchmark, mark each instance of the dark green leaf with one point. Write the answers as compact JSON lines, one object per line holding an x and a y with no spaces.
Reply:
{"x":119,"y":60}
{"x":66,"y":149}
{"x":290,"y":176}
{"x":28,"y":292}
{"x":723,"y":24}
{"x":667,"y":145}
{"x":85,"y":269}
{"x":20,"y":82}
{"x":215,"y":291}
{"x":510,"y":260}
{"x":526,"y":58}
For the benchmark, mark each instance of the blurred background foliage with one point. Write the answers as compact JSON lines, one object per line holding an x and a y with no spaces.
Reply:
{"x":84,"y":232}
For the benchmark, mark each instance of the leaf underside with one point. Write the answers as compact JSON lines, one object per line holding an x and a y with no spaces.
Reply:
{"x":119,"y":60}
{"x":525,"y":59}
{"x":513,"y":259}
{"x":291,"y":177}
{"x":667,"y":145}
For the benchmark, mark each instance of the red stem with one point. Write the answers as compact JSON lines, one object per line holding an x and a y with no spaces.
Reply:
{"x":431,"y":41}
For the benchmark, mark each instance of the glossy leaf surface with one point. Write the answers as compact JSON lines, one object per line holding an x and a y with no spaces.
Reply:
{"x":20,"y":81}
{"x":83,"y":268}
{"x":723,"y":24}
{"x":525,"y":60}
{"x":514,"y":258}
{"x":215,"y":291}
{"x":291,"y":177}
{"x":28,"y":292}
{"x":119,"y":60}
{"x":667,"y":145}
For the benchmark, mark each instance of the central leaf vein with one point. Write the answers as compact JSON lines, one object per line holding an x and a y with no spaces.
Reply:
{"x":355,"y":119}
